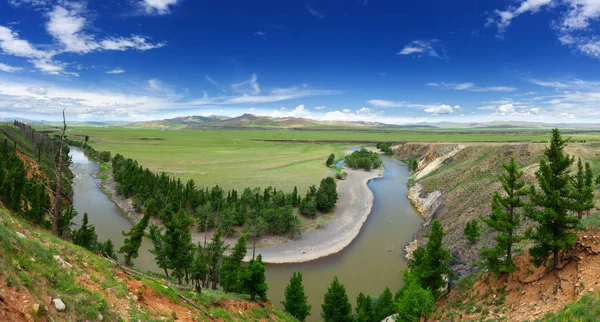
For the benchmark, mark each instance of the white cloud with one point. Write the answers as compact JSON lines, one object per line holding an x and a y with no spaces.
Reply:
{"x":318,"y":108}
{"x":9,"y":69}
{"x":314,"y":12}
{"x":442,"y":109}
{"x":117,"y":70}
{"x":66,"y":24}
{"x":51,"y":67}
{"x":503,"y":18}
{"x":260,"y":33}
{"x":507,"y":109}
{"x":250,"y":86}
{"x":251,"y":109}
{"x":134,"y":42}
{"x":160,"y":7}
{"x":567,"y":115}
{"x":299,"y":111}
{"x":470,"y":87}
{"x":386,"y":103}
{"x":38,"y":90}
{"x":11,"y":44}
{"x":421,"y":48}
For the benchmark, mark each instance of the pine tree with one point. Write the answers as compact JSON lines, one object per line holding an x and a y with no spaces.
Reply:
{"x":230,"y":272}
{"x":385,"y":305}
{"x":430,"y":264}
{"x":505,"y":219}
{"x":555,"y":229}
{"x":295,"y":301}
{"x":135,"y":236}
{"x":330,"y":160}
{"x":255,"y":280}
{"x":471,"y":231}
{"x":85,"y":236}
{"x":414,"y":302}
{"x":178,"y":241}
{"x":365,"y":312}
{"x":327,"y":195}
{"x":199,"y":268}
{"x":583,"y":189}
{"x":160,"y":250}
{"x":336,"y":307}
{"x":107,"y":249}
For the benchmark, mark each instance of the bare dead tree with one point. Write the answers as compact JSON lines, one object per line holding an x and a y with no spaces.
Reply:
{"x":57,"y":192}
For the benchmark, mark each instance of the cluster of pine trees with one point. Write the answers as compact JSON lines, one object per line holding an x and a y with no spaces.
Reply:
{"x":30,"y":197}
{"x":555,"y":206}
{"x":256,"y":211}
{"x":103,"y":156}
{"x":385,"y":147}
{"x":363,"y":159}
{"x":86,"y":237}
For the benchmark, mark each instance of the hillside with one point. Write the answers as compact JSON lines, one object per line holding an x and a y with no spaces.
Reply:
{"x":178,"y":122}
{"x":36,"y":267}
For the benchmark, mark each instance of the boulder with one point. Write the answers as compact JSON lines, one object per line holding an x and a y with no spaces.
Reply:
{"x":20,"y":235}
{"x":59,"y":305}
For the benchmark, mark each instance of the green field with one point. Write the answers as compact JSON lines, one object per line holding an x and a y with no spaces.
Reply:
{"x":241,"y":158}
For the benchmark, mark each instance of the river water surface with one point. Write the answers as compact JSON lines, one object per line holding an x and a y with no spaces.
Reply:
{"x":370,"y":263}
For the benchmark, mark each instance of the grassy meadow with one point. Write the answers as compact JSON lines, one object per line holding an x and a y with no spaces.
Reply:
{"x":241,"y":158}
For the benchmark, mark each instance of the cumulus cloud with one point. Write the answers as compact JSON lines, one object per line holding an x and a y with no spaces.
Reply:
{"x":9,"y":69}
{"x":160,"y":7}
{"x":11,"y":44}
{"x":421,"y":48}
{"x":318,"y":108}
{"x":506,"y":109}
{"x":299,"y":111}
{"x":117,"y":70}
{"x":38,"y":90}
{"x":574,"y":26}
{"x":442,"y":109}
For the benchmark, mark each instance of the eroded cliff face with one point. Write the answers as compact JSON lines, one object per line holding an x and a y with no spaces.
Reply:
{"x":455,"y":183}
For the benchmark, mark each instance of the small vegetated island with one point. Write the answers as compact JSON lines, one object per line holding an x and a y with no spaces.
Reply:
{"x":363,"y":159}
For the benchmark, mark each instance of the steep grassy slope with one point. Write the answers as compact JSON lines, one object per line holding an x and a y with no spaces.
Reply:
{"x":36,"y":267}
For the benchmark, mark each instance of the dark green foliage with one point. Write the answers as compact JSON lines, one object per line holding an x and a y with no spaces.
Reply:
{"x":365,"y":311}
{"x":414,"y":301}
{"x":430,"y":264}
{"x":551,"y":204}
{"x":413,"y":165}
{"x":254,"y":280}
{"x":363,"y":159}
{"x":107,"y":249}
{"x":85,"y":236}
{"x":386,"y":305}
{"x":103,"y":156}
{"x":471,"y":231}
{"x":385,"y":147}
{"x":160,"y":250}
{"x":232,"y":264}
{"x":213,"y":208}
{"x":336,"y":307}
{"x":583,"y":189}
{"x":330,"y":160}
{"x":308,"y":206}
{"x":133,"y":240}
{"x":505,"y":220}
{"x":327,"y":195}
{"x":295,"y":301}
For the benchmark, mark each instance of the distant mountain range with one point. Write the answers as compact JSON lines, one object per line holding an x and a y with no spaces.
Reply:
{"x":257,"y":121}
{"x":248,"y":120}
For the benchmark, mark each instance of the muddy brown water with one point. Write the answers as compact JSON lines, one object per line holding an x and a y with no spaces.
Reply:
{"x":371,"y":262}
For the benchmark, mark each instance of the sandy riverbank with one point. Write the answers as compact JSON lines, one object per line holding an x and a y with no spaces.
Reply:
{"x":351,"y":211}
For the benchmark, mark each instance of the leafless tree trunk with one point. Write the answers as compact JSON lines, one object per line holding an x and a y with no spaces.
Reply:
{"x":57,"y":192}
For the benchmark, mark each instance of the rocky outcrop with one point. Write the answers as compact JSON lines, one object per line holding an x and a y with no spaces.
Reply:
{"x":433,"y":160}
{"x":425,"y":203}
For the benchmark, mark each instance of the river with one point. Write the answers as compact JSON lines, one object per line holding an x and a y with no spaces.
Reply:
{"x":370,"y":263}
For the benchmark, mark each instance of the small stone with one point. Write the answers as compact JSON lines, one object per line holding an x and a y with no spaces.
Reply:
{"x":135,"y":298}
{"x":99,"y":317}
{"x":591,"y":290}
{"x":36,"y":308}
{"x":32,"y":259}
{"x":59,"y":305}
{"x":20,"y":235}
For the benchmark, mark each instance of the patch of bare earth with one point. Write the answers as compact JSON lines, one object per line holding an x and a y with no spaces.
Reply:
{"x":15,"y":305}
{"x":531,"y":292}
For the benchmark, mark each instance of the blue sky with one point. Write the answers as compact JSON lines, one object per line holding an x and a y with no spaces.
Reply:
{"x":358,"y":60}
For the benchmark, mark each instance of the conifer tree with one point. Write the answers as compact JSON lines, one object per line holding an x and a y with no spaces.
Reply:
{"x":160,"y":250}
{"x":583,"y":189}
{"x":134,"y":239}
{"x":230,"y":272}
{"x":414,"y":301}
{"x":430,"y":264}
{"x":552,"y":203}
{"x":85,"y":236}
{"x":295,"y":301}
{"x":178,"y":241}
{"x":199,"y":268}
{"x":330,"y":160}
{"x":108,"y":249}
{"x":365,"y":312}
{"x":471,"y":231}
{"x":255,"y":280}
{"x":336,"y":307}
{"x":505,"y":219}
{"x":385,"y":305}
